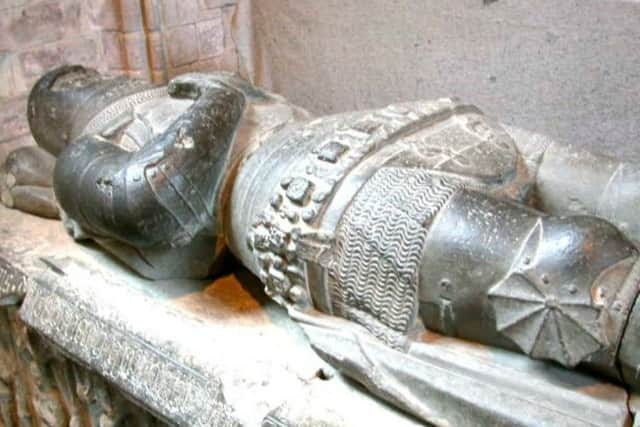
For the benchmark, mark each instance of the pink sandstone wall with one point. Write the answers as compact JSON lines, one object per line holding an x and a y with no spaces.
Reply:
{"x":152,"y":39}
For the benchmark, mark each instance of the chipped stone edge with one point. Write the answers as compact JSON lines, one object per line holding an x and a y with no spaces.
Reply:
{"x":14,"y":284}
{"x":153,"y":379}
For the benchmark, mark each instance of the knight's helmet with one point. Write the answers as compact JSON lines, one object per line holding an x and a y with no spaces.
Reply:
{"x":65,"y":99}
{"x":143,"y":167}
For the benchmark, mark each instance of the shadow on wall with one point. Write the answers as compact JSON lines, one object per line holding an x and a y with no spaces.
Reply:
{"x":567,"y":70}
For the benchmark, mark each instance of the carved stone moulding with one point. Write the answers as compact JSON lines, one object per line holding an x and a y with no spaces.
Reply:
{"x":94,"y":334}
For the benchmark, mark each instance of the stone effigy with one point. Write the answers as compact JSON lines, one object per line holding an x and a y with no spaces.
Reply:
{"x":374,"y":229}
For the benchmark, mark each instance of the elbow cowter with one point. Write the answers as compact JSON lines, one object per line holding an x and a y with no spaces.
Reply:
{"x":165,"y":194}
{"x":103,"y":189}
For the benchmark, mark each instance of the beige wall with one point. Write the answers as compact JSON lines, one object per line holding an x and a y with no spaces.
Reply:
{"x":152,"y":39}
{"x":569,"y":69}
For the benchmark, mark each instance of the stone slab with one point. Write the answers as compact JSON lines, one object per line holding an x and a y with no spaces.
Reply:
{"x":192,"y":353}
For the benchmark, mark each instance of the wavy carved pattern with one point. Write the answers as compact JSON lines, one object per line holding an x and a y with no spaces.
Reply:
{"x":379,"y":246}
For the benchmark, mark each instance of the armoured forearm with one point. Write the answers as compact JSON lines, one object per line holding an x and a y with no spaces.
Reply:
{"x":105,"y":190}
{"x":558,"y":288}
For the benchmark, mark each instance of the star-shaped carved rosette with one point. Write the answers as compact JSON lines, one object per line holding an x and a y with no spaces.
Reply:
{"x":556,"y":321}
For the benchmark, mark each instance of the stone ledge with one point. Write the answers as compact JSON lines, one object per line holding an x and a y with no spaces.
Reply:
{"x":191,"y":353}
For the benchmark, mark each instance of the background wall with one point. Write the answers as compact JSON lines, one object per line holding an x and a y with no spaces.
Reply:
{"x":153,"y":39}
{"x":569,"y":69}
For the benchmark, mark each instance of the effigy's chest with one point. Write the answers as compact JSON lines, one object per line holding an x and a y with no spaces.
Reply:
{"x":365,"y":186}
{"x":441,"y":136}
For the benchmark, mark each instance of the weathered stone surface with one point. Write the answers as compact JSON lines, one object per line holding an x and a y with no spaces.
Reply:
{"x":40,"y":22}
{"x":124,"y":351}
{"x":124,"y":51}
{"x":153,"y":15}
{"x":135,"y":49}
{"x":7,"y":4}
{"x":112,"y":49}
{"x":182,"y":47}
{"x":13,"y":85}
{"x":332,"y":403}
{"x":156,"y":50}
{"x":211,"y":37}
{"x":226,"y":331}
{"x":124,"y":16}
{"x":40,"y":387}
{"x":214,"y":4}
{"x":35,"y":62}
{"x":13,"y":144}
{"x":380,"y":228}
{"x":568,"y":70}
{"x":13,"y":119}
{"x":176,"y":12}
{"x":230,"y":61}
{"x":116,"y":36}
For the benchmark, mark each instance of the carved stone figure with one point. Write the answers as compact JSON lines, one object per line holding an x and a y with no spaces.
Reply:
{"x":373,"y":228}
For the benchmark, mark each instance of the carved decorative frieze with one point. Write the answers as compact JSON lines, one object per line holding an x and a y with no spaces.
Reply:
{"x":92,"y":333}
{"x":13,"y":283}
{"x":39,"y":387}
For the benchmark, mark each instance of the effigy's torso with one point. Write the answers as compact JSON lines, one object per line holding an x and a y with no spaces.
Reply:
{"x":345,"y":203}
{"x":414,"y":217}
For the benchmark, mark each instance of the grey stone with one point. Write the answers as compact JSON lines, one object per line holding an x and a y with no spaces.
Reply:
{"x":298,"y":190}
{"x":40,"y":387}
{"x":183,"y":350}
{"x":425,"y":222}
